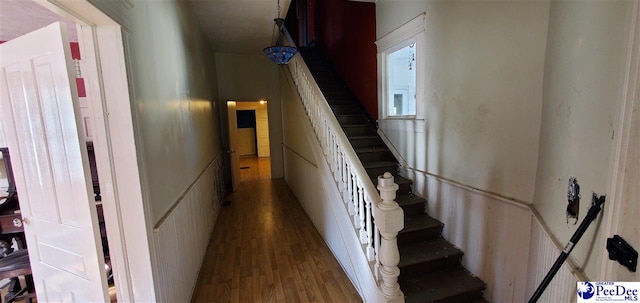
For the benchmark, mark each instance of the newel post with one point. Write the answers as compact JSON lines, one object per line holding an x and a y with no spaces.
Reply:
{"x":389,"y":219}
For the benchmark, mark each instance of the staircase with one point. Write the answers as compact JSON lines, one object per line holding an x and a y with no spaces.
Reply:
{"x":430,"y":269}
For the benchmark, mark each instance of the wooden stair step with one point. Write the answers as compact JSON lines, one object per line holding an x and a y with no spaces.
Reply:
{"x":377,"y":168}
{"x":364,"y":137}
{"x":373,"y":149}
{"x":341,"y":109}
{"x":419,"y":228}
{"x":366,"y":141}
{"x":358,"y":130}
{"x":443,"y":286}
{"x":404,"y":185}
{"x":379,"y":164}
{"x":374,"y":153}
{"x":428,"y":256}
{"x":340,"y":101}
{"x":419,"y":222}
{"x":411,"y":204}
{"x":409,"y":200}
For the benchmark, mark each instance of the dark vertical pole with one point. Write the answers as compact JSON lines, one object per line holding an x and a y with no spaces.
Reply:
{"x":596,"y":206}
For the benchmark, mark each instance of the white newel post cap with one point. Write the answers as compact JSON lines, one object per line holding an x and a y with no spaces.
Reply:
{"x":388,"y":215}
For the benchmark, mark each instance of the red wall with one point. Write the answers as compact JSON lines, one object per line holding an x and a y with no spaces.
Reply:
{"x":346,"y":30}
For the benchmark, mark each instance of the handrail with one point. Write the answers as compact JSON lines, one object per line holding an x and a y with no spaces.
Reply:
{"x":359,"y":194}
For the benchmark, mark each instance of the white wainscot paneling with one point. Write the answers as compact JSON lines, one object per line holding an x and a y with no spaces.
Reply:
{"x":181,"y":238}
{"x":317,"y":193}
{"x":563,"y":286}
{"x":503,"y":241}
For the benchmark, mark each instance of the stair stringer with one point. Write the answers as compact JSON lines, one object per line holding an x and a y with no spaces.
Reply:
{"x":312,"y":182}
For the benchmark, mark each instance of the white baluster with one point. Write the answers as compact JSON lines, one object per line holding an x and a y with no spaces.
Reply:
{"x":361,"y":213}
{"x":334,"y":152}
{"x":356,"y":203}
{"x":338,"y":174}
{"x":389,"y":220}
{"x":370,"y":252}
{"x":343,"y":178}
{"x":377,"y":248}
{"x":348,"y":195}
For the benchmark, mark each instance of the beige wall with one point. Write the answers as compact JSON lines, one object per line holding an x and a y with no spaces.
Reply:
{"x":174,"y":91}
{"x":253,"y":78}
{"x":483,"y":91}
{"x":247,"y":141}
{"x":520,"y":95}
{"x":583,"y":77}
{"x":262,"y":125}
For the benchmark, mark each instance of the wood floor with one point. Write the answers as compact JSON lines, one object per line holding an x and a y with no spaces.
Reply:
{"x":264,"y":248}
{"x":253,"y":168}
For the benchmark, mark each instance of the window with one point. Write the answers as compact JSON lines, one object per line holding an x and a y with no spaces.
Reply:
{"x":399,"y":75}
{"x":401,"y":82}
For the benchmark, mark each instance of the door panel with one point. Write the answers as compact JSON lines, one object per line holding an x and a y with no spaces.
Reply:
{"x":233,"y":144}
{"x":43,"y":129}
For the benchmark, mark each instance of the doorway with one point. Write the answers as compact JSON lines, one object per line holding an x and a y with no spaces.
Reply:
{"x":251,"y":129}
{"x":102,"y":39}
{"x":24,"y":45}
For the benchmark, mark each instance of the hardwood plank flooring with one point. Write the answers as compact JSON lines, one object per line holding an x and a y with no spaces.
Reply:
{"x":253,"y":168}
{"x":264,"y":248}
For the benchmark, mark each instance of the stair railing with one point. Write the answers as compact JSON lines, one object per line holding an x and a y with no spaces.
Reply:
{"x":376,"y":217}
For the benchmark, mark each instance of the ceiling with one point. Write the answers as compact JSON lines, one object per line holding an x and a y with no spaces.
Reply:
{"x":238,"y":26}
{"x":18,"y":17}
{"x":231,"y":26}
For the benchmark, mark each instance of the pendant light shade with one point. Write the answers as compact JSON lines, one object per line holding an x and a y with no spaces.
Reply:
{"x":280,"y":54}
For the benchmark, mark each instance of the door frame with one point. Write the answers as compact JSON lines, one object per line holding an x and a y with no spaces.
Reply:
{"x":629,"y":92}
{"x":103,"y":43}
{"x":234,"y":166}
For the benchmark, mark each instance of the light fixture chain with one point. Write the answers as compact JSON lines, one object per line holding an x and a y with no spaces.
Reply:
{"x":279,"y":9}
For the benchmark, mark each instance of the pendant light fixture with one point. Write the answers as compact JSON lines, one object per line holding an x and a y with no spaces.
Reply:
{"x":279,"y":54}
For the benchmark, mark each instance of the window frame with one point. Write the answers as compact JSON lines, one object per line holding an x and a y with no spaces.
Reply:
{"x":407,"y":34}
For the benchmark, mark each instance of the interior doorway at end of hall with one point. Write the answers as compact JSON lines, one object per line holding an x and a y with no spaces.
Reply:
{"x":253,"y":140}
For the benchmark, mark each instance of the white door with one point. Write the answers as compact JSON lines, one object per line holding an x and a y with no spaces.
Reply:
{"x":43,"y":129}
{"x":233,"y":144}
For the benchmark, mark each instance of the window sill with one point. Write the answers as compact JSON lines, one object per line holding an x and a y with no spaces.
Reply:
{"x":402,"y":124}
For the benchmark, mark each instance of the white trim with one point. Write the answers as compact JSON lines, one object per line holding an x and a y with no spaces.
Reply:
{"x":629,"y":93}
{"x":411,"y":32}
{"x":116,"y":157}
{"x":408,"y":30}
{"x":108,"y":191}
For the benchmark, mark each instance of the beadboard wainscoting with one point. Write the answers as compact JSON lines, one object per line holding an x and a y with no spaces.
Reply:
{"x":541,"y":258}
{"x":504,"y":242}
{"x":180,"y":239}
{"x":315,"y":189}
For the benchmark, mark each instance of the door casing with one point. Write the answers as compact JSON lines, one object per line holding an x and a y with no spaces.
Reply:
{"x":103,"y":42}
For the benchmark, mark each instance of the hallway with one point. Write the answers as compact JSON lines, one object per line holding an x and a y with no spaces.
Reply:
{"x":264,"y":248}
{"x":254,"y":168}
